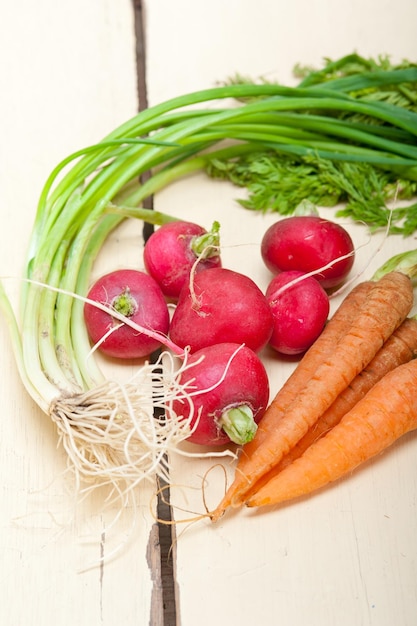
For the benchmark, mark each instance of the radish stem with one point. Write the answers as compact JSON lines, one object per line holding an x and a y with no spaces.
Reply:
{"x":207,"y":245}
{"x":109,"y":430}
{"x":238,"y":424}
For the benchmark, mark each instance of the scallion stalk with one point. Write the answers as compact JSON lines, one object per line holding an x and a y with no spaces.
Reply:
{"x":109,"y":431}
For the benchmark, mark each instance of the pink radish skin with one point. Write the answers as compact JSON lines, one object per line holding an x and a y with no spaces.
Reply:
{"x":300,"y":312}
{"x":237,"y":403}
{"x":171,"y":251}
{"x":135,"y":295}
{"x":222,"y":306}
{"x":307,"y":243}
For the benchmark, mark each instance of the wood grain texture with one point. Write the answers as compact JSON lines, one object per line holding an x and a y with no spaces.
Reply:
{"x":347,"y":556}
{"x":67,"y":77}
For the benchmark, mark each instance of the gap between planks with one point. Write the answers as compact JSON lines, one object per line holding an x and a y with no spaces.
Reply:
{"x":161,"y":555}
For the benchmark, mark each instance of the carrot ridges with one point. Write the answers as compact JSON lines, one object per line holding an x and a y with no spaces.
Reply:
{"x":336,"y":327}
{"x":387,"y":412}
{"x":400,"y":348}
{"x":387,"y":305}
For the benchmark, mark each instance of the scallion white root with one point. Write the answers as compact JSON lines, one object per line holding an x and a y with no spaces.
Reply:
{"x":111,"y":432}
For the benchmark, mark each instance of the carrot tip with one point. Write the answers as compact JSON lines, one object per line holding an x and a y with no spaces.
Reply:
{"x":216,"y":515}
{"x":252,"y":504}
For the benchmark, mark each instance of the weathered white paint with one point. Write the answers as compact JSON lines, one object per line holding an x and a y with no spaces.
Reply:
{"x":67,"y":77}
{"x":346,"y":556}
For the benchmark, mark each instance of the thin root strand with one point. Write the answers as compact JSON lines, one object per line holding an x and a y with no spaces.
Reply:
{"x":112,"y":433}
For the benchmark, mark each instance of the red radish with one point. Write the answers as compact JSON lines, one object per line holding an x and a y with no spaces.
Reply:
{"x":300,"y":311}
{"x":229,"y":390}
{"x":307,"y":243}
{"x":135,"y":295}
{"x":221,"y":305}
{"x":171,"y":251}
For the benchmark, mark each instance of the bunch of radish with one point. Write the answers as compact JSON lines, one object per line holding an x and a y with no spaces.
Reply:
{"x":309,"y":256}
{"x":222,"y":320}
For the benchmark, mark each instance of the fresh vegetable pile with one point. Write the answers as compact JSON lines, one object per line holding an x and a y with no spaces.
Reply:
{"x":351,"y":396}
{"x":119,"y":434}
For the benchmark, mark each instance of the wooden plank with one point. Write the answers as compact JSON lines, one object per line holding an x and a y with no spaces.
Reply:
{"x":67,"y":77}
{"x":347,"y":555}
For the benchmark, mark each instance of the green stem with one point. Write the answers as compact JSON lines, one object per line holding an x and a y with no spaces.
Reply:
{"x":147,"y":215}
{"x":55,"y":354}
{"x":80,"y":341}
{"x":92,"y":190}
{"x":124,"y":303}
{"x":207,"y":245}
{"x":238,"y":424}
{"x":39,"y":388}
{"x":405,"y":262}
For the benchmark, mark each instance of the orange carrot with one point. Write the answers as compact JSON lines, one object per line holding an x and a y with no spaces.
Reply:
{"x":400,"y":348}
{"x":388,"y":304}
{"x":336,"y":327}
{"x":388,"y":411}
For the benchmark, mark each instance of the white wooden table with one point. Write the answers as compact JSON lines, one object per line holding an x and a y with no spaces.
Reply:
{"x":347,"y":556}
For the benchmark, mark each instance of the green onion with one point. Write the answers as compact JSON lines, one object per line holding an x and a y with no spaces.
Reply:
{"x":108,"y":429}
